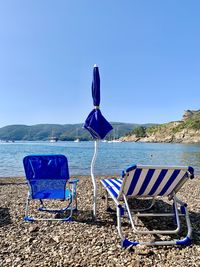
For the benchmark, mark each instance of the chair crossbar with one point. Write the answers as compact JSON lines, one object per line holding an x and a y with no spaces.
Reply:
{"x":156,"y":214}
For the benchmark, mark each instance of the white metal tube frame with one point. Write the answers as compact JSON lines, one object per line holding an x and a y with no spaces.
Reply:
{"x":183,"y":212}
{"x":94,"y":180}
{"x":69,"y":207}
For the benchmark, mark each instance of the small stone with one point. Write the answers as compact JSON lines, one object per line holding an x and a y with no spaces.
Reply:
{"x":34,"y":229}
{"x":8,"y":260}
{"x":56,"y":239}
{"x":30,"y":239}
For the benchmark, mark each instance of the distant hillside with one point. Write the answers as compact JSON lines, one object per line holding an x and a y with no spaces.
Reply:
{"x":66,"y":132}
{"x":185,"y":131}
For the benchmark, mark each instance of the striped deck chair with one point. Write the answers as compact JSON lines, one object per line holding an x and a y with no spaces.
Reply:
{"x":48,"y":179}
{"x":143,"y":182}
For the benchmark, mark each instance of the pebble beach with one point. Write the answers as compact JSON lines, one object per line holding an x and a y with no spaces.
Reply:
{"x":84,"y":242}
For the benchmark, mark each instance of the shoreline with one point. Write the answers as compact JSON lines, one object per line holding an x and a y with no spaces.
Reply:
{"x":84,"y":242}
{"x":148,"y":140}
{"x":197,"y":174}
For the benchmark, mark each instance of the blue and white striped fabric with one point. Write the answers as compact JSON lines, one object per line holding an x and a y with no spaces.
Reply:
{"x":147,"y":181}
{"x":113,"y":185}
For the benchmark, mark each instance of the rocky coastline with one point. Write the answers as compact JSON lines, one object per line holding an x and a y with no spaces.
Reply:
{"x":185,"y":136}
{"x":84,"y":242}
{"x":186,"y":131}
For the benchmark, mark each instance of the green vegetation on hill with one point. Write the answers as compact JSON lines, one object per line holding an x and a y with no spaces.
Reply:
{"x":66,"y":132}
{"x":157,"y":128}
{"x":141,"y":131}
{"x":191,"y":123}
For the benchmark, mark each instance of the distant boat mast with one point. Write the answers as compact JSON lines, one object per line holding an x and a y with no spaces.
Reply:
{"x":77,"y":139}
{"x":53,"y":138}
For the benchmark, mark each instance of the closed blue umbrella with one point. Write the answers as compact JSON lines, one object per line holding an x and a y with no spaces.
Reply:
{"x":97,"y":125}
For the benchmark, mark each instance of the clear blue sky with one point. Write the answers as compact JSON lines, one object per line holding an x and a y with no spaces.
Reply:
{"x":148,"y":53}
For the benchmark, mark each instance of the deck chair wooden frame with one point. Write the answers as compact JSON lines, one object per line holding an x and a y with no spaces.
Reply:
{"x":48,"y":179}
{"x":142,"y":182}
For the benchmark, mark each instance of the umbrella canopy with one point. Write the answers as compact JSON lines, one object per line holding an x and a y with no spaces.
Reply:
{"x":95,"y":123}
{"x":97,"y":126}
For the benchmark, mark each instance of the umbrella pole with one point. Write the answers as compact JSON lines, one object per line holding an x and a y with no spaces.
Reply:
{"x":93,"y":178}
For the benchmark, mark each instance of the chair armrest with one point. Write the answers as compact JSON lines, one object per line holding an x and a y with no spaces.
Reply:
{"x":73,"y":181}
{"x":73,"y":185}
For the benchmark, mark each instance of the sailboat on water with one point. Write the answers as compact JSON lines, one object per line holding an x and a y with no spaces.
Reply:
{"x":115,"y":140}
{"x":53,"y":138}
{"x":77,"y":139}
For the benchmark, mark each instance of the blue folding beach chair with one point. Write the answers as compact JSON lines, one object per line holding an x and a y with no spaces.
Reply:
{"x":48,"y":179}
{"x":144,"y":182}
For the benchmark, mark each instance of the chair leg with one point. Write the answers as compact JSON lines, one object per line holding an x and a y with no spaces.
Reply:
{"x":108,"y":208}
{"x":187,"y":240}
{"x":74,"y":198}
{"x":26,"y":216}
{"x":26,"y":208}
{"x":76,"y":203}
{"x":42,"y":207}
{"x":106,"y":199}
{"x":184,"y":212}
{"x":119,"y":222}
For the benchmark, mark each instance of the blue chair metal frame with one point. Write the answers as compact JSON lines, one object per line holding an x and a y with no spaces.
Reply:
{"x":144,"y":182}
{"x":48,"y":179}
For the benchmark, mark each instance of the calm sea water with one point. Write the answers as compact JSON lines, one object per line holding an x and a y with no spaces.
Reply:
{"x":111,"y":160}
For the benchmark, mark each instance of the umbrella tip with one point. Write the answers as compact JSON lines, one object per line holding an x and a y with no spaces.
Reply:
{"x":95,"y":65}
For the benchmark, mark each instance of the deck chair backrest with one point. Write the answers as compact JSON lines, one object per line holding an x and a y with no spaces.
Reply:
{"x":152,"y":181}
{"x":46,"y":173}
